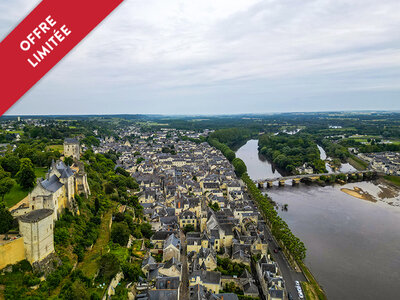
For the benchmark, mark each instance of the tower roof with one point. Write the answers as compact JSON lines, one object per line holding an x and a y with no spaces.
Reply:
{"x":36,"y":215}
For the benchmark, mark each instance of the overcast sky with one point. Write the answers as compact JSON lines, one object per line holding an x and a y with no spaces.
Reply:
{"x":224,"y":56}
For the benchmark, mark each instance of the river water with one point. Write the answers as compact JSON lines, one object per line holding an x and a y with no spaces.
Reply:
{"x":353,"y":245}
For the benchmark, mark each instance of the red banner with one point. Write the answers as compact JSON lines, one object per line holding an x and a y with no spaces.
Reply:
{"x":42,"y":39}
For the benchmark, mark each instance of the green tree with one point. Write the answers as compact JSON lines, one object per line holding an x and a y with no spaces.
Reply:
{"x":78,"y":291}
{"x":131,"y":271}
{"x":26,"y":176}
{"x":188,"y":228}
{"x":68,"y":161}
{"x":146,"y":230}
{"x":11,"y":163}
{"x":6,"y":219}
{"x":109,"y":266}
{"x":230,"y":155}
{"x":109,"y":188}
{"x":6,"y":185}
{"x":120,"y":233}
{"x":239,"y":166}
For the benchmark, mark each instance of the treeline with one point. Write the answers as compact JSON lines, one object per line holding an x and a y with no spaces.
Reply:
{"x":238,"y":164}
{"x":288,"y":152}
{"x":335,"y":150}
{"x":232,"y":137}
{"x":379,"y":148}
{"x":279,"y":227}
{"x":375,"y":145}
{"x":226,"y":151}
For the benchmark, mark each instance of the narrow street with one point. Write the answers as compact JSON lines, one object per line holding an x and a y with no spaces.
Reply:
{"x":184,"y":291}
{"x":289,"y":275}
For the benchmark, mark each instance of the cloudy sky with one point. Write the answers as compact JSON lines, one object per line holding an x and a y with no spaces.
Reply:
{"x":225,"y":56}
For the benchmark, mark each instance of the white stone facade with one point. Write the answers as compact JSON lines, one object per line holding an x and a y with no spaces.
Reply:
{"x":37,"y":229}
{"x":72,"y":148}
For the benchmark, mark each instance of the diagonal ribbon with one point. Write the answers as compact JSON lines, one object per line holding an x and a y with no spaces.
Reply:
{"x":42,"y":39}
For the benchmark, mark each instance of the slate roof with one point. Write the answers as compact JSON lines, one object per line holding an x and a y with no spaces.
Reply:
{"x":163,"y":295}
{"x":167,"y":283}
{"x":148,"y":261}
{"x":207,"y":276}
{"x":161,"y":235}
{"x":52,"y":184}
{"x":172,"y":240}
{"x":71,"y":141}
{"x":276,"y":294}
{"x":36,"y":215}
{"x":64,"y":170}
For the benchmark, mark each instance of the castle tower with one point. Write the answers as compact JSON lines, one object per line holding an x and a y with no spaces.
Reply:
{"x":37,"y":229}
{"x":72,"y":148}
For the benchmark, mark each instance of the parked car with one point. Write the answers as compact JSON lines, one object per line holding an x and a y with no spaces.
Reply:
{"x":290,"y":297}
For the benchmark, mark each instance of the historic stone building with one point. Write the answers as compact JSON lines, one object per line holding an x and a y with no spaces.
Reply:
{"x":57,"y":190}
{"x":72,"y":148}
{"x":36,"y":229}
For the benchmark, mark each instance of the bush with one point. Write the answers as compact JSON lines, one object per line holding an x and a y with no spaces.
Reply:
{"x":188,"y":228}
{"x":109,"y":266}
{"x":120,"y":233}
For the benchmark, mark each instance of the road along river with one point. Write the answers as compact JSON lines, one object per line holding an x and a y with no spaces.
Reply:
{"x":353,"y":241}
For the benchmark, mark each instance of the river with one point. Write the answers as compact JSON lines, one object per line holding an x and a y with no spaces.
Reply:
{"x":353,"y":245}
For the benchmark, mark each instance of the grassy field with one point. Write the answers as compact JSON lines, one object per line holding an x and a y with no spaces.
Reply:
{"x":17,"y":193}
{"x":20,"y":132}
{"x":56,"y":148}
{"x":41,"y":172}
{"x":393,"y":179}
{"x":122,"y":253}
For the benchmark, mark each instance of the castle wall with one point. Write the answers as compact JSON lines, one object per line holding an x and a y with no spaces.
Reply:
{"x":12,"y":252}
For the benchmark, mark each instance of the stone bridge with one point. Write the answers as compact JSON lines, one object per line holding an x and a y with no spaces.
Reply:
{"x":296,"y":179}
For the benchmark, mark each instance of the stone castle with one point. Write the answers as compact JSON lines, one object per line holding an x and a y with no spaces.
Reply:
{"x":42,"y":207}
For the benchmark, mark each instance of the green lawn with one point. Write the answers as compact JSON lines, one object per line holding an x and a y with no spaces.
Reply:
{"x":41,"y":172}
{"x":122,"y":253}
{"x":15,"y":195}
{"x":20,"y":132}
{"x":56,"y":147}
